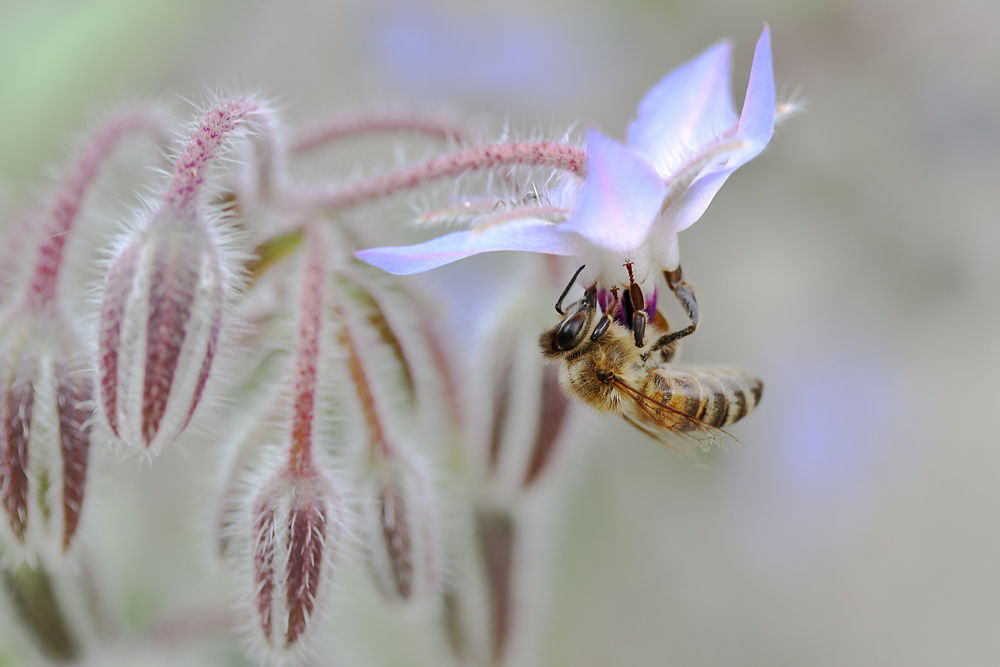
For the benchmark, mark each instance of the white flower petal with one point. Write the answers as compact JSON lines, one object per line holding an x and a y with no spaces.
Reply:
{"x":690,"y":107}
{"x":531,"y":234}
{"x":620,"y":199}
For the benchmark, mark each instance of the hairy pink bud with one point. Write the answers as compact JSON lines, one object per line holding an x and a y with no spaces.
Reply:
{"x":402,"y":534}
{"x":17,"y":396}
{"x":295,"y":537}
{"x":164,"y":298}
{"x":401,"y":522}
{"x":45,"y":408}
{"x":161,"y":319}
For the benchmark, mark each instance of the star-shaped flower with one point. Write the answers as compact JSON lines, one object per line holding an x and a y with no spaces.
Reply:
{"x":636,"y":197}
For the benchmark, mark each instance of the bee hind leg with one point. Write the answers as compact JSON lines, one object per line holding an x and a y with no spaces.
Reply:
{"x":685,"y":294}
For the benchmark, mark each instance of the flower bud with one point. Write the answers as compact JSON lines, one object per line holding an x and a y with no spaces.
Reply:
{"x":402,"y":536}
{"x":296,"y":527}
{"x":45,"y":407}
{"x":161,"y":317}
{"x":400,"y":522}
{"x":164,"y":297}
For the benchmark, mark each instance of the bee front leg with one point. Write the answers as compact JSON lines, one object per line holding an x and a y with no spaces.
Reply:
{"x":568,"y":288}
{"x":685,"y":294}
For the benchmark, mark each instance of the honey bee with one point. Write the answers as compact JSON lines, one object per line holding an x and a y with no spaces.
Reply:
{"x":606,"y":367}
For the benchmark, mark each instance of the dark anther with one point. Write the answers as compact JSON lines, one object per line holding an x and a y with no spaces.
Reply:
{"x":627,"y":306}
{"x":635,"y":294}
{"x":639,"y":327}
{"x":635,"y":308}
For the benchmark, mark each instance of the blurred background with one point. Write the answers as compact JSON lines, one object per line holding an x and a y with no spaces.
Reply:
{"x":853,"y":266}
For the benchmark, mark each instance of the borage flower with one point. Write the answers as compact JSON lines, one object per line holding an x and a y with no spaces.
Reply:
{"x":681,"y":148}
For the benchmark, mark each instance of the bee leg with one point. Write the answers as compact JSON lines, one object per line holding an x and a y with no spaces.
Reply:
{"x":566,"y":291}
{"x":685,"y":294}
{"x":667,"y":352}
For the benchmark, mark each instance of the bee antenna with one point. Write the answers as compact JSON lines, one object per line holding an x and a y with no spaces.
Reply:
{"x":566,"y":291}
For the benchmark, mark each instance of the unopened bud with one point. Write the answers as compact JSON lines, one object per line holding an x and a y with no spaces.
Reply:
{"x":164,"y":297}
{"x":402,"y":534}
{"x":296,"y":535}
{"x":16,"y":410}
{"x":45,"y":407}
{"x":161,"y":318}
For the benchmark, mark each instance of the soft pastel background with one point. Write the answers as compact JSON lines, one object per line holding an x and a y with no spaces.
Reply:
{"x":854,"y":266}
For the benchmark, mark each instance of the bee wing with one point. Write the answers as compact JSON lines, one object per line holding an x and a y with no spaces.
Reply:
{"x":671,"y":427}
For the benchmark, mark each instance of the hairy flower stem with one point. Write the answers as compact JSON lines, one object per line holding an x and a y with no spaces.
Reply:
{"x":205,"y":145}
{"x":66,"y":203}
{"x":307,"y":353}
{"x":379,"y":444}
{"x":562,"y":157}
{"x":353,"y":125}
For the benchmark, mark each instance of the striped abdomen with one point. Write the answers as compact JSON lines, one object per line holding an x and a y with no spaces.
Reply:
{"x":716,"y":396}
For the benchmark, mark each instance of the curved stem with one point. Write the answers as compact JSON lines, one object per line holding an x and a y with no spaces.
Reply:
{"x":307,"y":351}
{"x":362,"y":385}
{"x":203,"y":147}
{"x":562,"y":157}
{"x":66,"y":204}
{"x":352,"y":125}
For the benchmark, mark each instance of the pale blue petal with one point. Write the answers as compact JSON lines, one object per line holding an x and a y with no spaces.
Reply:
{"x":692,"y":204}
{"x":532,"y":235}
{"x":757,"y":119}
{"x":687,"y":109}
{"x":621,"y":197}
{"x":755,"y":130}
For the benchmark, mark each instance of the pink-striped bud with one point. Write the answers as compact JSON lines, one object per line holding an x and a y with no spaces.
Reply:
{"x":296,"y":536}
{"x":161,"y":318}
{"x":403,"y":541}
{"x":164,"y":298}
{"x":45,"y":407}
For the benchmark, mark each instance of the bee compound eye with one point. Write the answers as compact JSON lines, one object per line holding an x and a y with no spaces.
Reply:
{"x":568,"y":335}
